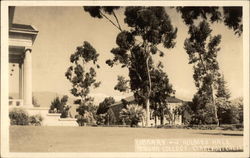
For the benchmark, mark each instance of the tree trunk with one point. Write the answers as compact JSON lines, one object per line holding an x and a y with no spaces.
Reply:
{"x":174,"y":119}
{"x":155,"y":120}
{"x":212,"y":91}
{"x":162,"y":120}
{"x":147,"y":113}
{"x":149,"y":93}
{"x":162,"y":117}
{"x":215,"y":108}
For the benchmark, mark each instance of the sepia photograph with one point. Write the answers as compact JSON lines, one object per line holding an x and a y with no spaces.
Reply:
{"x":141,"y":79}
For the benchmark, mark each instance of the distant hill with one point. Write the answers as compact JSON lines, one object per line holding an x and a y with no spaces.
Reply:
{"x":45,"y":98}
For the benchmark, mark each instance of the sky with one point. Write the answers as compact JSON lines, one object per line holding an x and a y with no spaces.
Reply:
{"x":62,"y":29}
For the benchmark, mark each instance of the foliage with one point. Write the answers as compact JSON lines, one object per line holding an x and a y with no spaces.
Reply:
{"x":203,"y":110}
{"x":231,"y":16}
{"x":65,"y":112}
{"x":202,"y":49}
{"x":86,"y":115}
{"x":205,"y":115}
{"x":93,"y":110}
{"x":18,"y":116}
{"x":226,"y":112}
{"x":186,"y":112}
{"x":81,"y":120}
{"x":240,"y":107}
{"x":104,"y":105}
{"x":59,"y":106}
{"x":83,"y":80}
{"x":100,"y":119}
{"x":161,"y":90}
{"x":229,"y":112}
{"x":202,"y":53}
{"x":55,"y":105}
{"x":122,"y":84}
{"x":223,"y":106}
{"x":161,"y":112}
{"x":222,"y":91}
{"x":36,"y":120}
{"x":84,"y":119}
{"x":133,"y":114}
{"x":110,"y":118}
{"x":236,"y":111}
{"x":153,"y":26}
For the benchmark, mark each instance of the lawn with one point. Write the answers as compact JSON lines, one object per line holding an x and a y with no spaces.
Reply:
{"x":107,"y":139}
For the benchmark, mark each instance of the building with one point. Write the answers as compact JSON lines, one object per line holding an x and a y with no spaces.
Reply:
{"x":173,"y":118}
{"x":21,"y":40}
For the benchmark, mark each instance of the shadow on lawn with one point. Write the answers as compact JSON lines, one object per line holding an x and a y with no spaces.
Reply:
{"x":225,"y":134}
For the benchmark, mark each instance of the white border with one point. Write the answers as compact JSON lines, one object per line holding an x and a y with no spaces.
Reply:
{"x":4,"y":78}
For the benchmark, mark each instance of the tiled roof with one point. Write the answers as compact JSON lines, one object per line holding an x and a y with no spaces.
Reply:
{"x":131,"y":99}
{"x":174,"y":100}
{"x":128,"y":99}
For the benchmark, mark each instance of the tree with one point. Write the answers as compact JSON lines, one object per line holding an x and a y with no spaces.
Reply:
{"x":122,"y":84}
{"x":223,"y":110}
{"x":59,"y":106}
{"x":222,"y":91}
{"x":148,"y":27}
{"x":104,"y":105}
{"x":186,"y":112}
{"x":55,"y":106}
{"x":237,"y":110}
{"x":161,"y":90}
{"x":223,"y":105}
{"x":65,"y":112}
{"x":132,"y":114}
{"x":19,"y":116}
{"x":110,"y":118}
{"x":202,"y":55}
{"x":231,"y":16}
{"x":81,"y":78}
{"x":93,"y":110}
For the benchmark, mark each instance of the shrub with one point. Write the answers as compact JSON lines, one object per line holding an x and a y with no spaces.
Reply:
{"x":36,"y":120}
{"x":133,"y":114}
{"x":55,"y":105}
{"x":232,"y":127}
{"x":100,"y":119}
{"x":81,"y":120}
{"x":110,"y":118}
{"x":59,"y":106}
{"x":18,"y":116}
{"x":65,"y":112}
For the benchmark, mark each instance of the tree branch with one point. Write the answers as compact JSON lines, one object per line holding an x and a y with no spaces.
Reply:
{"x":117,"y":21}
{"x":136,"y":73}
{"x":110,"y":20}
{"x":149,"y":77}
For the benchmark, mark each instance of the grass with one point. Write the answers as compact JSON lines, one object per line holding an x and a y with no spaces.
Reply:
{"x":103,"y":139}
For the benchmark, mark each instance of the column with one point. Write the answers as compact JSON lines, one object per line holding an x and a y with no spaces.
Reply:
{"x":27,"y":91}
{"x":20,"y":80}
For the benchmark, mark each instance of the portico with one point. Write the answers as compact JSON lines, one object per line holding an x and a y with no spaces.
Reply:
{"x":21,"y":39}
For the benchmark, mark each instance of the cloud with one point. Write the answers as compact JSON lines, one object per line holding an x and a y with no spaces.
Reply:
{"x":185,"y":94}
